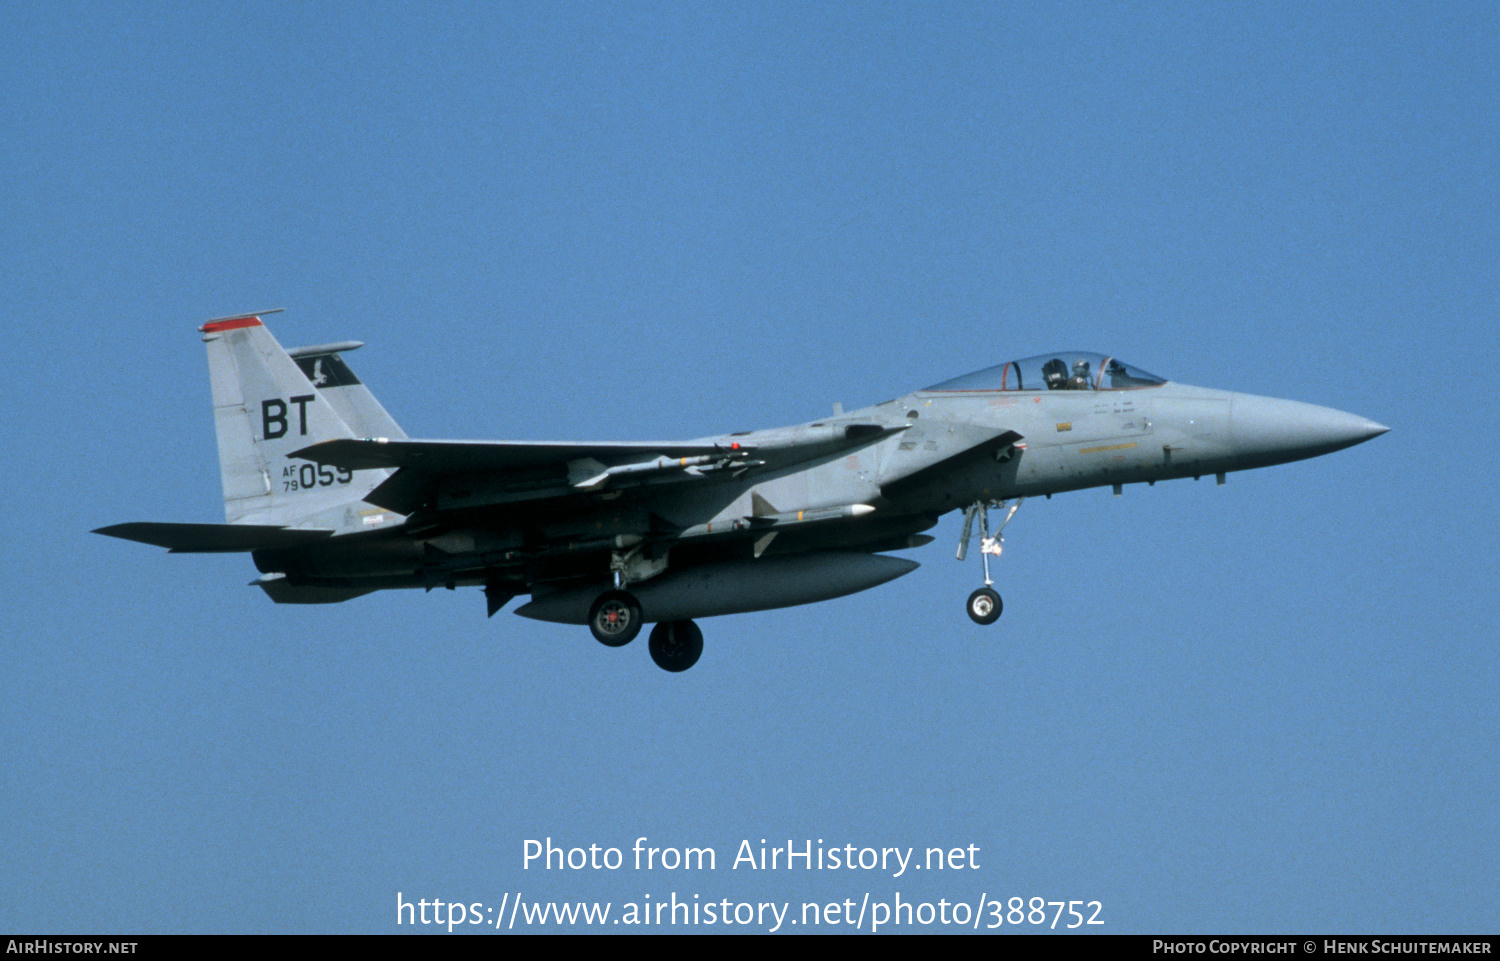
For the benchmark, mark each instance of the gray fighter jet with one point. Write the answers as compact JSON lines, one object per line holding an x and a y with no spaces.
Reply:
{"x":332,"y":500}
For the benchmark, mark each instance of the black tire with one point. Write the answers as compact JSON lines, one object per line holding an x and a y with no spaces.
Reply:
{"x":676,"y":645}
{"x":984,"y":606}
{"x":615,"y":618}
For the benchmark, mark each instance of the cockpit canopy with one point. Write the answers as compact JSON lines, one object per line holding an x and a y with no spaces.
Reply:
{"x":1064,"y":370}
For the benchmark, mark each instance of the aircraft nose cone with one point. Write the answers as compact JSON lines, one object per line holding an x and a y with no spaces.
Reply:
{"x":1273,"y":430}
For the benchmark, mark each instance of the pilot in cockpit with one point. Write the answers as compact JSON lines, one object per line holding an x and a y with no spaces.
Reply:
{"x":1080,"y":379}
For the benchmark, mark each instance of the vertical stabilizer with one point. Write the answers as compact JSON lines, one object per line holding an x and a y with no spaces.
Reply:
{"x":265,"y":408}
{"x":351,"y":399}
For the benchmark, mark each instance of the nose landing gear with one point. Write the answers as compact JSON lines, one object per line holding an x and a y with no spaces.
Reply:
{"x":984,"y":605}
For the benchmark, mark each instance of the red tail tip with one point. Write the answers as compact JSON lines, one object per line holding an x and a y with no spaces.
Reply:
{"x":234,"y":323}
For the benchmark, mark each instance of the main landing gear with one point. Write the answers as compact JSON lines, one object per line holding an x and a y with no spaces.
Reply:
{"x":615,"y":620}
{"x":676,"y":645}
{"x":984,"y":605}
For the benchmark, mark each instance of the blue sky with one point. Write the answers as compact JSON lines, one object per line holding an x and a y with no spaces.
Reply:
{"x":1261,"y":707}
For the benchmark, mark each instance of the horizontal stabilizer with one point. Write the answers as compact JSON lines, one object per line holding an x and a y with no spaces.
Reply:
{"x":213,"y":538}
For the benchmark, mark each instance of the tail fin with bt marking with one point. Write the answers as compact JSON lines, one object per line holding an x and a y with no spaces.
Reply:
{"x":265,"y":407}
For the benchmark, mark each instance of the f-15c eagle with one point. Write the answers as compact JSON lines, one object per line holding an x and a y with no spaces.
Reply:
{"x":332,"y":500}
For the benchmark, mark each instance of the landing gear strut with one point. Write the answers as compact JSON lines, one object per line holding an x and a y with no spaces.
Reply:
{"x":984,"y":605}
{"x":615,"y":618}
{"x":676,"y":645}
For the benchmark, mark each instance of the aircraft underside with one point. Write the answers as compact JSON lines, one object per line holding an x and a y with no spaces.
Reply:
{"x":613,"y":590}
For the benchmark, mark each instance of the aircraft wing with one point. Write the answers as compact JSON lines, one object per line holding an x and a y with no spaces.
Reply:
{"x":496,"y":472}
{"x":472,"y":457}
{"x":213,"y":538}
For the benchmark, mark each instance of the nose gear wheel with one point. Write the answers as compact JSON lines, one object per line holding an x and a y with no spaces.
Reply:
{"x":985,"y":606}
